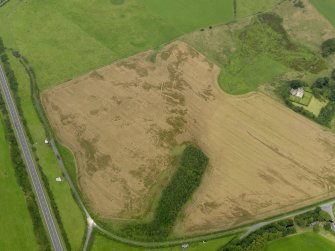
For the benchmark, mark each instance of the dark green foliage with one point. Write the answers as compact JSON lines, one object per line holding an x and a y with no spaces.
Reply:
{"x":267,"y":35}
{"x":321,"y":82}
{"x":2,"y":47}
{"x":298,"y":4}
{"x":327,"y":226}
{"x":316,"y":215}
{"x":328,"y":47}
{"x":333,"y":75}
{"x":23,"y":181}
{"x":183,"y":183}
{"x":327,"y":114}
{"x":257,"y":240}
{"x":295,"y":84}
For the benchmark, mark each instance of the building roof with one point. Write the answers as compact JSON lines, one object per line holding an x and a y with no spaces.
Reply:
{"x":299,"y":92}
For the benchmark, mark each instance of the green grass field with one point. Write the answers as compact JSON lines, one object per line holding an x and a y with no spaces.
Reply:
{"x":303,"y":242}
{"x":72,"y":218}
{"x":66,"y":38}
{"x":101,"y":243}
{"x":326,"y":8}
{"x":16,"y":229}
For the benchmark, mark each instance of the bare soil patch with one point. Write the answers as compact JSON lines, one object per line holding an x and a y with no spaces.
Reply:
{"x":123,"y":121}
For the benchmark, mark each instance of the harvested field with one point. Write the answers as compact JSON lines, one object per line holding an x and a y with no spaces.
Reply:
{"x":123,"y":121}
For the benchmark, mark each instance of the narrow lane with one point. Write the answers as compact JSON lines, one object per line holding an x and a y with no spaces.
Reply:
{"x":40,"y":194}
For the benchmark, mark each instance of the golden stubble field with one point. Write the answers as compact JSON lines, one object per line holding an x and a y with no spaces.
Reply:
{"x":123,"y":121}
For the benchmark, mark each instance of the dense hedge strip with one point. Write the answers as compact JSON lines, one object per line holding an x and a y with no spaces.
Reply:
{"x":23,"y":181}
{"x":257,"y":240}
{"x":13,"y":83}
{"x":179,"y":190}
{"x":316,"y":215}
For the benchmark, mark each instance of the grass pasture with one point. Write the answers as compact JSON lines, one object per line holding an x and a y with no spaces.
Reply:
{"x":104,"y":31}
{"x":326,"y":8}
{"x":303,"y":242}
{"x":100,"y":30}
{"x":177,"y":100}
{"x":101,"y":243}
{"x":17,"y":230}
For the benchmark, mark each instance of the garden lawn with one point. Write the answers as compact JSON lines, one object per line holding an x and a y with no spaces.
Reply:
{"x":303,"y":242}
{"x":326,"y":8}
{"x":101,"y":243}
{"x":16,"y":231}
{"x":305,"y":100}
{"x":72,"y":217}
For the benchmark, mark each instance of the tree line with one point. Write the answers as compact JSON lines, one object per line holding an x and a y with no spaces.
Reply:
{"x":185,"y":180}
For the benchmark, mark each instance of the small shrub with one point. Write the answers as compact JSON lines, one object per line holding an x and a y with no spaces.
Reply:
{"x":328,"y":47}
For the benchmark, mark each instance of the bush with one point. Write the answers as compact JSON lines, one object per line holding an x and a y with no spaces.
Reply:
{"x":328,"y":47}
{"x":179,"y":190}
{"x":327,"y":226}
{"x":326,"y":114}
{"x":333,"y":75}
{"x":295,"y":84}
{"x":321,"y":82}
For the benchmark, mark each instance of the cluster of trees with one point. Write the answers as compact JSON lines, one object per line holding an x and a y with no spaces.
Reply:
{"x":13,"y":83}
{"x":322,"y":88}
{"x":179,"y":190}
{"x":328,"y":47}
{"x":258,"y":240}
{"x":316,"y":215}
{"x":298,"y":4}
{"x":23,"y":181}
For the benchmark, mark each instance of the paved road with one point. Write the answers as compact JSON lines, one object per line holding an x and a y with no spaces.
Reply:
{"x":41,"y":197}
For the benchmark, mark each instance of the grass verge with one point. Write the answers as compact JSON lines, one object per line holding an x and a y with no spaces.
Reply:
{"x":101,"y":243}
{"x":24,"y":181}
{"x":68,"y":215}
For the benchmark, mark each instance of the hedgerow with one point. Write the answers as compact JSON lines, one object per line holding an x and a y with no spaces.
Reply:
{"x":258,"y":239}
{"x":179,"y":190}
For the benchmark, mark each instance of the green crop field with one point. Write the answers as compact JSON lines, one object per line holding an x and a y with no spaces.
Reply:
{"x":303,"y":242}
{"x":327,"y":8}
{"x":16,"y":226}
{"x":101,"y":243}
{"x":72,"y":218}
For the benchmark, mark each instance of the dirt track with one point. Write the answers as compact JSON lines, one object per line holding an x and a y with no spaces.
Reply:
{"x":124,"y":120}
